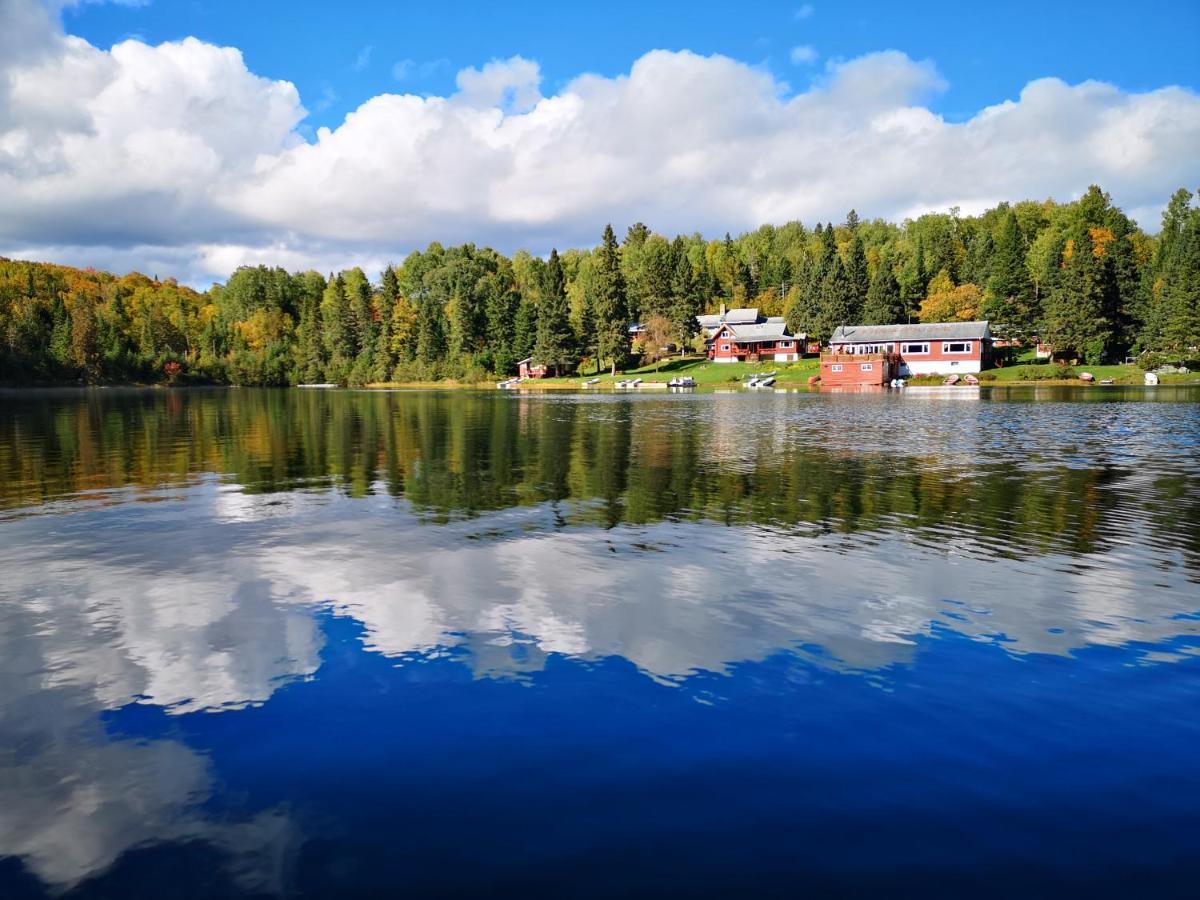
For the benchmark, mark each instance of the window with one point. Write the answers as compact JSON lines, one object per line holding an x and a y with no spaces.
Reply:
{"x":866,"y":367}
{"x":956,"y":347}
{"x":836,"y":367}
{"x":871,"y":348}
{"x":724,"y":346}
{"x":785,"y":344}
{"x":914,"y":349}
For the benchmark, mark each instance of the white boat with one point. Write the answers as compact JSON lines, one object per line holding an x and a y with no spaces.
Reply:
{"x":322,"y":386}
{"x":685,"y":381}
{"x":766,"y":382}
{"x":591,"y":381}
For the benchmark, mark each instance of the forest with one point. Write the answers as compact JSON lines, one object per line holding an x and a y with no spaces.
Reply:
{"x":1081,"y":276}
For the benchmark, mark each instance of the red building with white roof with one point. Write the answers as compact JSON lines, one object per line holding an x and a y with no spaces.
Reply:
{"x":742,"y":335}
{"x":875,"y":354}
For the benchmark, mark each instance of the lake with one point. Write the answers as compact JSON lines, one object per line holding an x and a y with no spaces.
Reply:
{"x":264,"y":643}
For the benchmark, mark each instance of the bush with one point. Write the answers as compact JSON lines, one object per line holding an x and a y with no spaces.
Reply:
{"x":1056,"y":372}
{"x":1151,"y":360}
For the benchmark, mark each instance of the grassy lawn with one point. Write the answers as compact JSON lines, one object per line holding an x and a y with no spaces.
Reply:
{"x":699,"y":368}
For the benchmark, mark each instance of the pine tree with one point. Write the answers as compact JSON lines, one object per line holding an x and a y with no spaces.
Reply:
{"x":884,"y":304}
{"x":612,"y":322}
{"x":856,"y":267}
{"x":1075,"y":321}
{"x":1009,"y":299}
{"x":389,"y":293}
{"x":554,"y":345}
{"x":525,"y":328}
{"x":337,"y":329}
{"x":431,"y":331}
{"x":1180,"y":291}
{"x":686,"y":299}
{"x":60,"y":333}
{"x":500,"y":309}
{"x":836,"y":303}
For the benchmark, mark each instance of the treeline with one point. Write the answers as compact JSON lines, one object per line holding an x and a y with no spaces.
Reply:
{"x":1080,"y":275}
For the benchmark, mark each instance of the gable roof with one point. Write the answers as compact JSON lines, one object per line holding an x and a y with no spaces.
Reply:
{"x":771,"y":330}
{"x":744,"y":316}
{"x":926,"y":331}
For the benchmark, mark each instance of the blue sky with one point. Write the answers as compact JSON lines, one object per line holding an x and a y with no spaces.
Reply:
{"x":340,"y":54}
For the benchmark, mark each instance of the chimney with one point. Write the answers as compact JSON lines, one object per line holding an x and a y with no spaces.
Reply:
{"x":722,"y":312}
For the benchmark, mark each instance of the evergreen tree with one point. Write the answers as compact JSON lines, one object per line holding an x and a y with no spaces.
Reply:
{"x":312,"y":357}
{"x":1076,"y":323}
{"x":431,"y":331}
{"x":836,"y":303}
{"x":337,"y":330}
{"x":1009,"y":298}
{"x":60,"y":334}
{"x":554,"y":345}
{"x":686,"y":299}
{"x":1180,"y":289}
{"x":500,"y":308}
{"x":856,"y":267}
{"x":914,"y":279}
{"x":525,"y":327}
{"x":612,"y":322}
{"x":385,"y":355}
{"x":884,"y":304}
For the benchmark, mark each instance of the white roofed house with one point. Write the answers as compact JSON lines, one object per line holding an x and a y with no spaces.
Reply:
{"x":761,"y":341}
{"x":712,"y":321}
{"x":929,"y":348}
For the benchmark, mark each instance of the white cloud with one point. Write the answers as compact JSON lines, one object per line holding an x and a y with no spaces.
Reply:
{"x":804,"y":54}
{"x":363,"y":59}
{"x":180,"y":150}
{"x":804,"y":12}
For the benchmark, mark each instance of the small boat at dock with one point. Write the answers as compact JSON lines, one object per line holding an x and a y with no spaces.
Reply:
{"x":971,"y":380}
{"x":951,"y":379}
{"x":325,"y":385}
{"x":591,"y":381}
{"x":684,"y":382}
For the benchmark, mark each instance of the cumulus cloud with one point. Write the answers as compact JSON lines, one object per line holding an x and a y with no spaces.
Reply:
{"x":804,"y":54}
{"x":181,"y":150}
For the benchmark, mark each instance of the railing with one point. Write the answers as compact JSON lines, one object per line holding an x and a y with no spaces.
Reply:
{"x":835,"y":357}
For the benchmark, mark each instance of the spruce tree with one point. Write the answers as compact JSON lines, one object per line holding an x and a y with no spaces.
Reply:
{"x":337,"y":329}
{"x":836,"y":303}
{"x":1180,"y":289}
{"x":525,"y":327}
{"x":1075,"y":321}
{"x":856,"y":267}
{"x":686,"y":299}
{"x":1009,"y":298}
{"x":884,"y":304}
{"x":555,"y":342}
{"x":431,"y":331}
{"x":612,"y":322}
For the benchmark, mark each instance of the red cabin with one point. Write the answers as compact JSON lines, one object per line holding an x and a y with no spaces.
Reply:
{"x":931,"y":348}
{"x":526,"y":368}
{"x":768,"y":341}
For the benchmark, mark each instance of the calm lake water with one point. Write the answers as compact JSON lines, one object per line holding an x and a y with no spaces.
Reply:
{"x":345,"y":644}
